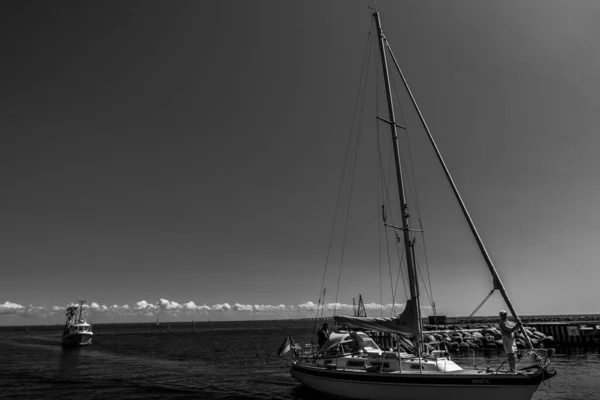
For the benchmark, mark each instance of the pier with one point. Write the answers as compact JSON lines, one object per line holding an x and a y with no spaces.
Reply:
{"x":571,"y":333}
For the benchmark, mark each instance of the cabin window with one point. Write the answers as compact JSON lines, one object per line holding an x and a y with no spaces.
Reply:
{"x":385,"y":365}
{"x":350,"y":347}
{"x":354,"y":363}
{"x":416,"y":366}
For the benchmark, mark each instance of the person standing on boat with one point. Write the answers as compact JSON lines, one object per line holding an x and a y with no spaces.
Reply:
{"x":508,"y":329}
{"x":323,"y":334}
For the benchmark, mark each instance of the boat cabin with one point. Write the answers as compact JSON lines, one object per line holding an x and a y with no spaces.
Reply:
{"x":81,"y":327}
{"x":357,"y":351}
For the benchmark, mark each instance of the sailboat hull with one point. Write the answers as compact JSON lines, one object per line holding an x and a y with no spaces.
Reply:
{"x":416,"y":386}
{"x":77,"y":339}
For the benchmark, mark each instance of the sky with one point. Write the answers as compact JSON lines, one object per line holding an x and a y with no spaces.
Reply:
{"x":184,"y":161}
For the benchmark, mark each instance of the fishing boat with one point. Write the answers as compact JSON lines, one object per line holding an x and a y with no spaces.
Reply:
{"x":77,"y":331}
{"x":351,"y":365}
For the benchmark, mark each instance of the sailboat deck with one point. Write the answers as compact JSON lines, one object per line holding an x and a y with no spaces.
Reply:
{"x":461,"y":372}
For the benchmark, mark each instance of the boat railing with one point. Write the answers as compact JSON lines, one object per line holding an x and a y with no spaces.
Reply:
{"x":309,"y":350}
{"x":548,"y":355}
{"x":541,"y":357}
{"x":304,"y":351}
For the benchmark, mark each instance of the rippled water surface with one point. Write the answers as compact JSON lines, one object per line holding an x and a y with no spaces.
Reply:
{"x":218,"y":361}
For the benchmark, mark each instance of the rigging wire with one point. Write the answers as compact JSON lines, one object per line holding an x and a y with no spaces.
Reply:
{"x":323,"y":308}
{"x":481,"y":304}
{"x":380,"y":180}
{"x":400,"y":274}
{"x":384,"y":193}
{"x":385,"y":189}
{"x":349,"y":200}
{"x":423,"y":279}
{"x":414,"y":192}
{"x":366,"y":57}
{"x":400,"y":251}
{"x":379,"y":196}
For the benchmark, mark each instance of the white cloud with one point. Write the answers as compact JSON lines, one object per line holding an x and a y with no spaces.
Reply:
{"x":268,"y":308}
{"x":339,"y":307}
{"x":11,"y":308}
{"x":308,"y":306}
{"x":144,"y":305}
{"x":221,"y":307}
{"x":164,"y":304}
{"x":35,"y":311}
{"x":242,"y":307}
{"x":145,"y":311}
{"x":31,"y":311}
{"x":190,"y":305}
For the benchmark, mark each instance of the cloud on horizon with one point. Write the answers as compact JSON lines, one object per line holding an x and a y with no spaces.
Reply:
{"x":30,"y":311}
{"x":142,"y":310}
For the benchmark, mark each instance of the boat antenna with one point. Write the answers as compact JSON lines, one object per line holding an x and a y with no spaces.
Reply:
{"x":413,"y":283}
{"x":498,"y":285}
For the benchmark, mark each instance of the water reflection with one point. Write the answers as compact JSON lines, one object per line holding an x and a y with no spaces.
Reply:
{"x":302,"y":392}
{"x":69,"y":359}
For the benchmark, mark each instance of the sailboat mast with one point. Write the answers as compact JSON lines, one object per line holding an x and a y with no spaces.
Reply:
{"x":413,"y":285}
{"x":80,"y":311}
{"x":498,"y":285}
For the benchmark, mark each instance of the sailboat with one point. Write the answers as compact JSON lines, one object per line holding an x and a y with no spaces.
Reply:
{"x":77,"y":331}
{"x":351,"y":365}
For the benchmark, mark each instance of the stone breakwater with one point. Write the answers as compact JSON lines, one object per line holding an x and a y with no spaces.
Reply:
{"x":544,"y":332}
{"x":532,"y":320}
{"x":480,"y":338}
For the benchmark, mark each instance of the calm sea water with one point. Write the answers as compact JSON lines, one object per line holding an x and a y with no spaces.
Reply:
{"x":218,"y":361}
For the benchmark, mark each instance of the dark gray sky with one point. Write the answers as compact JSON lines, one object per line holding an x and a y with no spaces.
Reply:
{"x":193,"y":151}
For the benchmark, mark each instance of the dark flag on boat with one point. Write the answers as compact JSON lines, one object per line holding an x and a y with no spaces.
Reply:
{"x":286,"y":346}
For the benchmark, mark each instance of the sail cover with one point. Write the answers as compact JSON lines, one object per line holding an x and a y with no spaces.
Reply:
{"x":404,"y":324}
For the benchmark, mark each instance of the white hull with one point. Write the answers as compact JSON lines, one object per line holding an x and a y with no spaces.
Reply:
{"x":78,"y":339}
{"x":356,"y":385}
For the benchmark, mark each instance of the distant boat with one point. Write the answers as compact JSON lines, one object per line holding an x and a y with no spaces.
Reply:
{"x":77,"y":331}
{"x":168,"y":326}
{"x":157,"y":323}
{"x":193,"y":326}
{"x":26,"y":329}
